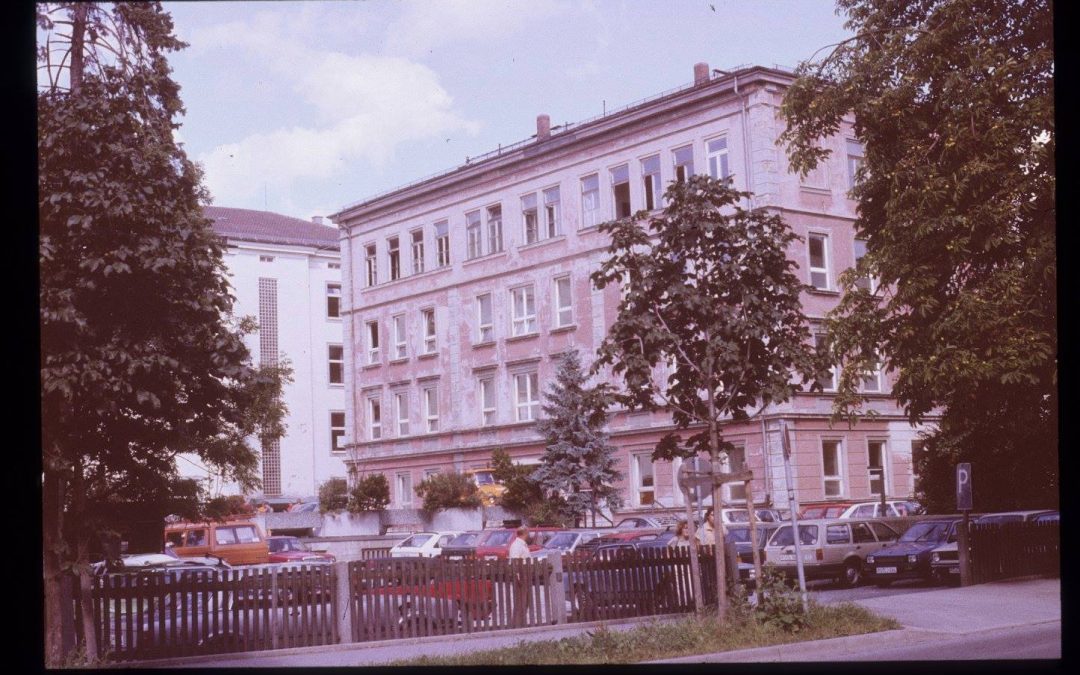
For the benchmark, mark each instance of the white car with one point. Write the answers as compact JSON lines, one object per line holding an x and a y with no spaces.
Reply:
{"x":423,"y":544}
{"x":945,"y":559}
{"x":893,"y":509}
{"x":731,"y":516}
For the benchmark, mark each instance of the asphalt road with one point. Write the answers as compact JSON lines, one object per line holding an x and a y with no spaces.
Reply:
{"x":1042,"y":641}
{"x":829,"y":592}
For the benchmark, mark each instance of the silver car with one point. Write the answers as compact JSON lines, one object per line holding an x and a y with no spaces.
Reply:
{"x":831,"y":549}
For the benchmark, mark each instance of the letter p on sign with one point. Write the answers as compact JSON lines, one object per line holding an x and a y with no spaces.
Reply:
{"x":963,"y":487}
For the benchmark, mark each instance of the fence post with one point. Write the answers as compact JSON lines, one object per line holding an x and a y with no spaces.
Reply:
{"x":555,"y":589}
{"x":343,"y":602}
{"x":276,"y":621}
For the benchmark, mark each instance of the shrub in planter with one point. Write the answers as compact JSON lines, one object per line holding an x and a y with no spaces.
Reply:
{"x":371,"y":493}
{"x":780,"y":606}
{"x":333,"y":495}
{"x":448,"y":491}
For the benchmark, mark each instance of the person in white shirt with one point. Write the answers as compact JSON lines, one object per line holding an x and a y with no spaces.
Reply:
{"x":519,"y":548}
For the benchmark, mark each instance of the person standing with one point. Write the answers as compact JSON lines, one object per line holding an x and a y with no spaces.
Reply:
{"x":519,"y":550}
{"x":682,"y":536}
{"x":708,"y":530}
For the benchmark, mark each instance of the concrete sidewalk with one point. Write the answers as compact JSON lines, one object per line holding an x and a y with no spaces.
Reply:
{"x":946,"y":624}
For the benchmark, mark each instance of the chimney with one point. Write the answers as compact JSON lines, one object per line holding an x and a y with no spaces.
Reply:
{"x":701,"y":73}
{"x":543,"y":127}
{"x":318,"y":220}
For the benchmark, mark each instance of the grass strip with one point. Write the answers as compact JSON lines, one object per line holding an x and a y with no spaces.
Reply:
{"x":658,"y":640}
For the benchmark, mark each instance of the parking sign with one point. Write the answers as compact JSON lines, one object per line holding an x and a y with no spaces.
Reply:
{"x":963,"y":486}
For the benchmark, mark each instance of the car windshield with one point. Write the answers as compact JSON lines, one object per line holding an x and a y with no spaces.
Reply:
{"x":562,"y":541}
{"x":808,"y":535}
{"x":741,"y":535}
{"x":738,"y":516}
{"x":813,"y":513}
{"x":464,"y":539}
{"x":498,"y":538}
{"x":286,"y":544}
{"x":484,"y":478}
{"x":930,"y":532}
{"x":416,"y":541}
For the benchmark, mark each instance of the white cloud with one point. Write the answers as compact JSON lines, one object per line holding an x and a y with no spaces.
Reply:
{"x":425,"y":25}
{"x":364,"y":107}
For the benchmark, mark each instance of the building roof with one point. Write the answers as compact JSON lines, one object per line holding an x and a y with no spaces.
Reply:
{"x":266,"y":227}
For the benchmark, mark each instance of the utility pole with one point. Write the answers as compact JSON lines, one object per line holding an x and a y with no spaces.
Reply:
{"x":793,"y":507}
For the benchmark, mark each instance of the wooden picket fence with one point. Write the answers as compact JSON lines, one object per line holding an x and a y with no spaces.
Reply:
{"x":156,"y":615}
{"x":1004,"y":550}
{"x":369,"y":553}
{"x":418,"y":597}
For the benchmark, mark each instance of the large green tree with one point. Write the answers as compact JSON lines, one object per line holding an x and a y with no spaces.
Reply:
{"x":578,"y":462}
{"x":710,"y":325}
{"x":140,"y":358}
{"x":953,"y":101}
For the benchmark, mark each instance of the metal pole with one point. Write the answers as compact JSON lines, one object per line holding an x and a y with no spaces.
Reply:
{"x":793,"y":506}
{"x":962,"y":545}
{"x":754,"y":539}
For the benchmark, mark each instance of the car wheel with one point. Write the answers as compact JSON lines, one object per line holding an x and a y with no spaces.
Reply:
{"x":852,"y":574}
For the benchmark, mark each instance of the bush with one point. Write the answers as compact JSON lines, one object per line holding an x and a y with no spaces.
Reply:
{"x":333,"y":495}
{"x":448,"y":491}
{"x":219,"y":508}
{"x":371,"y":493}
{"x":780,"y":606}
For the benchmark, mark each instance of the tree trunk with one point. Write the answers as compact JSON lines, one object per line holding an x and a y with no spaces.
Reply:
{"x":78,"y":29}
{"x":718,"y":527}
{"x":86,"y":598}
{"x":52,"y":540}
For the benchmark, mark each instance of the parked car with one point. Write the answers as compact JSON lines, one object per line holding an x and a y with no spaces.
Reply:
{"x":496,"y":543}
{"x":566,"y":542}
{"x":423,"y":544}
{"x":291,"y":549}
{"x":740,"y":536}
{"x":909,"y":557}
{"x":618,"y":537}
{"x":491,"y":490}
{"x":831,"y":549}
{"x":638,"y":522}
{"x":239,"y":542}
{"x":945,"y":559}
{"x":147,"y":563}
{"x":892,"y":509}
{"x":660,"y":541}
{"x":823,"y":511}
{"x":462,"y":546}
{"x":741,"y":515}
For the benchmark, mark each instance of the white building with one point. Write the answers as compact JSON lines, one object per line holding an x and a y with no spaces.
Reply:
{"x":286,"y":273}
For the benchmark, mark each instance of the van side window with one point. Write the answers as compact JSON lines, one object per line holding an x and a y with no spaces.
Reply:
{"x":865,"y":511}
{"x":246,"y":534}
{"x":862,"y":533}
{"x":196,"y":537}
{"x":837,"y":534}
{"x":175,"y":538}
{"x":225,"y":535}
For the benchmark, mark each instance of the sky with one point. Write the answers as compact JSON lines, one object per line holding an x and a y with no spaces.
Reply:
{"x":304,"y":107}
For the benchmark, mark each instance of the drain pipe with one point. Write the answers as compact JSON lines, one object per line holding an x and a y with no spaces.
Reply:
{"x":743,"y":112}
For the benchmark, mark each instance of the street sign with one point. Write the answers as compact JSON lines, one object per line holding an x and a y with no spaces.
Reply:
{"x":689,"y":478}
{"x":963,"y":486}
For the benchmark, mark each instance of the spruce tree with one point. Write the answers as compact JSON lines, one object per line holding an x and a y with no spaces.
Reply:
{"x":578,"y":463}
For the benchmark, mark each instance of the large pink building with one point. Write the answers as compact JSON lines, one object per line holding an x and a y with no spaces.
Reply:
{"x":461,"y":290}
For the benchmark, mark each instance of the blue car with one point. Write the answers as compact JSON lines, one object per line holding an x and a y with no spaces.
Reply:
{"x":909,"y":557}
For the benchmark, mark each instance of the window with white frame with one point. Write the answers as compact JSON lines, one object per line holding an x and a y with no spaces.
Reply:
{"x":529,"y":219}
{"x":401,"y":412}
{"x":875,"y":467}
{"x":494,"y":223}
{"x":393,"y":255}
{"x":620,"y":190}
{"x":564,"y":308}
{"x":373,"y":341}
{"x":855,"y":156}
{"x":872,"y":381}
{"x":404,"y":489}
{"x":417,"y":251}
{"x":430,"y":395}
{"x":527,"y":396}
{"x":484,"y":319}
{"x":473,"y":235}
{"x":487,"y":400}
{"x":337,"y":430}
{"x":374,"y":417}
{"x":371,"y":263}
{"x":442,"y":243}
{"x":333,"y":301}
{"x":716,"y":157}
{"x":819,"y":261}
{"x":552,"y":226}
{"x":828,"y":381}
{"x":831,"y":462}
{"x":650,"y":179}
{"x":866,"y":282}
{"x":427,"y":319}
{"x":523,"y":305}
{"x":735,"y":461}
{"x":641,"y":468}
{"x":590,"y":201}
{"x":684,"y":162}
{"x":401,"y":345}
{"x":336,"y":360}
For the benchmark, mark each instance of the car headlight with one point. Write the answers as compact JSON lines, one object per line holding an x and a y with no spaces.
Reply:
{"x":912,"y":558}
{"x":935,"y":557}
{"x":870,"y":559}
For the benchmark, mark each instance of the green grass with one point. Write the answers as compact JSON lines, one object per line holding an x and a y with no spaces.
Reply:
{"x":657,"y":640}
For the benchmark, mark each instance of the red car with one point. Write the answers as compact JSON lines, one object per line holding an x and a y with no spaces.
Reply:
{"x":496,"y":543}
{"x":291,"y":549}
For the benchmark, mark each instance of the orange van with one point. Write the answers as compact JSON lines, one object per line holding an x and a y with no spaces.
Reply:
{"x":237,"y":542}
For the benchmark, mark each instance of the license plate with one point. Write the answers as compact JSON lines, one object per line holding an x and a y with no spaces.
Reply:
{"x":491,"y":557}
{"x":453,"y":557}
{"x":886,"y":570}
{"x":787,"y":558}
{"x":954,"y":570}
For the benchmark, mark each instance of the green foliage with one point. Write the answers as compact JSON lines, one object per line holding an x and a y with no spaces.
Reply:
{"x":524,"y":494}
{"x":333,"y":495}
{"x":448,"y":490}
{"x":224,"y":506}
{"x":954,"y":104}
{"x":780,"y":606}
{"x":709,"y":296}
{"x":577,"y":454}
{"x":371,"y":493}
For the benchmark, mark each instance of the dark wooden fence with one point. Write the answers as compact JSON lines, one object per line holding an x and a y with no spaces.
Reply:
{"x":155,"y":615}
{"x":1003,"y":550}
{"x":369,"y":553}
